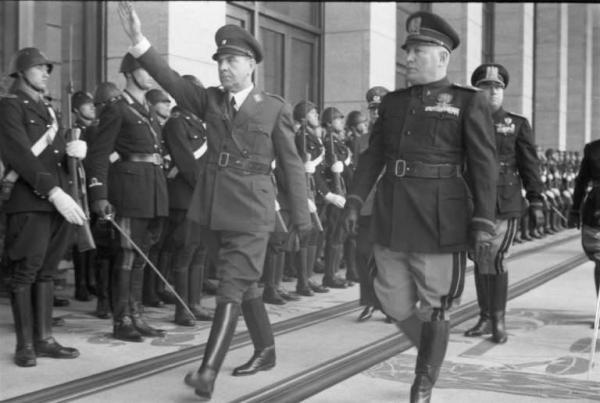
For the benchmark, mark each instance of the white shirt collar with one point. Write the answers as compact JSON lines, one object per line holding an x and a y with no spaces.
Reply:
{"x":240,"y":96}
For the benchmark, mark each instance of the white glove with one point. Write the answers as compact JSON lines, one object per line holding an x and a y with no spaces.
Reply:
{"x":277,"y":205}
{"x":337,"y":167}
{"x":335,"y":199}
{"x":312,"y":208}
{"x":77,"y":149}
{"x":309,"y":167}
{"x":67,"y":206}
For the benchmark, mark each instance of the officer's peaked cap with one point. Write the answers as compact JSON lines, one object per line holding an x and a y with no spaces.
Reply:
{"x":490,"y":72}
{"x":26,"y":58}
{"x":129,"y":64}
{"x":429,"y":28}
{"x":329,"y":114}
{"x":232,"y":39}
{"x":302,"y":109}
{"x":155,"y":96}
{"x":375,"y":95}
{"x":81,"y":98}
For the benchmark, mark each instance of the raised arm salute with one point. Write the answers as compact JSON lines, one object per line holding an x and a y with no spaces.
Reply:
{"x":234,"y":198}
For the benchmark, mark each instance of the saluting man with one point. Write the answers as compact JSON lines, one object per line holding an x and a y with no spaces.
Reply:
{"x":518,"y":167}
{"x":428,"y":136}
{"x":39,"y":212}
{"x":234,"y":198}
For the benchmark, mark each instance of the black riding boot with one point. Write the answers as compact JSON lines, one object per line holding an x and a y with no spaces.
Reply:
{"x":102,"y":286}
{"x":311,"y":253}
{"x":350,"y":258}
{"x":123,"y":328}
{"x":164,"y":266}
{"x":259,"y":327}
{"x":302,"y":287}
{"x":181,"y":264}
{"x":221,"y":334}
{"x":333,"y":255}
{"x":20,"y":298}
{"x":149,"y":294}
{"x":45,"y":345}
{"x":196,"y":279}
{"x":434,"y":341}
{"x":270,"y":294}
{"x":135,"y":304}
{"x":484,"y":325}
{"x":80,"y":270}
{"x":525,"y":235}
{"x":499,"y":290}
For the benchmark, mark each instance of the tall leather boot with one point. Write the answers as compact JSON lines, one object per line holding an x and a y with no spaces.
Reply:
{"x":135,"y":303}
{"x":597,"y":277}
{"x":123,"y":328}
{"x":350,"y":258}
{"x":221,"y":334}
{"x":181,"y":264}
{"x":165,"y":267}
{"x":525,"y":235}
{"x":434,"y":341}
{"x":149,"y":291}
{"x":333,"y":255}
{"x":259,"y":327}
{"x":102,"y":267}
{"x":45,"y":345}
{"x":302,"y":287}
{"x":20,"y":299}
{"x":270,"y":294}
{"x":548,"y":218}
{"x":196,"y":279}
{"x":499,"y":291}
{"x":517,"y":237}
{"x":279,"y":272}
{"x":484,"y":325}
{"x":311,"y":252}
{"x":80,"y":270}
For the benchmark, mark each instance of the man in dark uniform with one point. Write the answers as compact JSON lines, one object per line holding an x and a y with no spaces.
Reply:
{"x":234,"y":198}
{"x":39,"y":212}
{"x":134,"y":188}
{"x":518,"y":168}
{"x":160,"y":103}
{"x":427,"y":136}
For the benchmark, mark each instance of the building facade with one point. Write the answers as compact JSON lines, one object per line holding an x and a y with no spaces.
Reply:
{"x":332,"y":52}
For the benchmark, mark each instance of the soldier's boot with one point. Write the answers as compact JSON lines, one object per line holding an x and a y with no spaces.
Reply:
{"x":499,"y":291}
{"x":432,"y":350}
{"x":80,"y":270}
{"x":597,"y":277}
{"x":123,"y":328}
{"x":20,"y":299}
{"x":412,"y":328}
{"x":311,"y":253}
{"x":270,"y":294}
{"x":484,"y":324}
{"x":333,"y":255}
{"x":196,"y":277}
{"x":45,"y":345}
{"x":548,"y":216}
{"x":164,"y":266}
{"x":525,"y":231}
{"x":517,"y":237}
{"x":181,"y":264}
{"x":554,"y":221}
{"x":350,"y":258}
{"x":302,"y":287}
{"x":280,"y":262}
{"x":135,"y":303}
{"x":102,"y":286}
{"x":221,"y":334}
{"x":149,"y":292}
{"x":259,"y":327}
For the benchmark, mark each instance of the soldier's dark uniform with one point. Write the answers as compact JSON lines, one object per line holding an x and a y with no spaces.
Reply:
{"x":135,"y":185}
{"x":426,"y":137}
{"x":518,"y":168}
{"x":37,"y":235}
{"x":234,"y":197}
{"x":585,"y":211}
{"x":185,"y":138}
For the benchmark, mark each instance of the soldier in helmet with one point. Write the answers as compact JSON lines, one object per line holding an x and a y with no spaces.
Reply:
{"x":518,"y":168}
{"x":131,"y":190}
{"x":336,"y":172}
{"x":160,"y":103}
{"x":40,"y":214}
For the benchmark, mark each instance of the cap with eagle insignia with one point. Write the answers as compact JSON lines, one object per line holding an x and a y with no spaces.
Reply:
{"x":428,"y":28}
{"x":232,"y":39}
{"x":490,"y":72}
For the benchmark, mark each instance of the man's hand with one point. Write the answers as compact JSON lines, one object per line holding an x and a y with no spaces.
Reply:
{"x":303,"y":230}
{"x":482,"y":245}
{"x":335,"y":199}
{"x":77,"y":149}
{"x":66,"y":206}
{"x":350,"y":217}
{"x":337,"y":167}
{"x":102,"y":208}
{"x":536,"y":214}
{"x":312,"y":207}
{"x":130,"y":22}
{"x":574,"y":219}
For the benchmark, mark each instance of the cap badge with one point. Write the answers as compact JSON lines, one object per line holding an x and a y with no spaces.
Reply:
{"x":224,"y":42}
{"x":491,"y":73}
{"x":444,"y":98}
{"x":376,"y":98}
{"x":414,"y":26}
{"x":257,"y":98}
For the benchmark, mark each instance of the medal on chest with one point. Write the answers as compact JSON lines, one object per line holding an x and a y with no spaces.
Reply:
{"x":506,"y":127}
{"x":443,"y":105}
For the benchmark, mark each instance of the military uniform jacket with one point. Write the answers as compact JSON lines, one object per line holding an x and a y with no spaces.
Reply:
{"x":589,"y":171}
{"x":314,"y":149}
{"x":23,"y":121}
{"x":519,"y":166}
{"x":184,"y":133}
{"x":135,"y":189}
{"x":227,"y":197}
{"x":342,"y":154}
{"x":436,"y":123}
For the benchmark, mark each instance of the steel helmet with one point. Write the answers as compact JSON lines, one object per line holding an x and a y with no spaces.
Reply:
{"x":26,"y":58}
{"x":354,"y":118}
{"x":106,"y":92}
{"x":329,"y":114}
{"x":301,"y":110}
{"x":81,"y":98}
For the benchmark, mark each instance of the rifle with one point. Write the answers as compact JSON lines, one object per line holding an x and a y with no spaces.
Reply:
{"x":310,"y":180}
{"x":338,"y":181}
{"x":83,"y":233}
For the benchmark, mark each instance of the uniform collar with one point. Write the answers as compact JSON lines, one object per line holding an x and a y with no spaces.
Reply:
{"x":500,"y":113}
{"x":240,"y":96}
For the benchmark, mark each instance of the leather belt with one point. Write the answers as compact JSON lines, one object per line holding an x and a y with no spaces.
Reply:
{"x":155,"y":159}
{"x":417,"y":169}
{"x":227,"y":160}
{"x":507,"y":167}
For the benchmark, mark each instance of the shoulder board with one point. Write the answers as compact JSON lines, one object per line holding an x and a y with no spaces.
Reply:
{"x":466,"y":87}
{"x":516,"y":115}
{"x":275,"y":96}
{"x":8,"y":96}
{"x":175,"y":114}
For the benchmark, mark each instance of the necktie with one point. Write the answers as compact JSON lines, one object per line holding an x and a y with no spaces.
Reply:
{"x":233,"y":109}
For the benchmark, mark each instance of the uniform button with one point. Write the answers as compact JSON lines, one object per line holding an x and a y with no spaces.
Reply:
{"x":139,"y":122}
{"x":408,"y":133}
{"x":59,"y":164}
{"x":56,"y":151}
{"x":32,"y":121}
{"x":413,"y":111}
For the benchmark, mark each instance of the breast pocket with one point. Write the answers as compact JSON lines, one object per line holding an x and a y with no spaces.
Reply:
{"x":259,"y":138}
{"x":445,"y":129}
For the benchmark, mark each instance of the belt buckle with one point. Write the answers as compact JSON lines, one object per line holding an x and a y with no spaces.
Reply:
{"x":401,"y":163}
{"x":157,"y":159}
{"x":223,"y":159}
